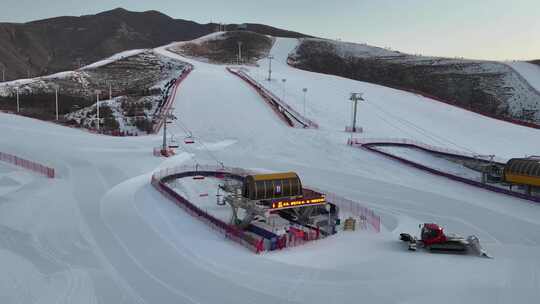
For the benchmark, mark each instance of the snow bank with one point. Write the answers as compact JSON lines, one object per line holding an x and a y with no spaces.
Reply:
{"x":113,"y":58}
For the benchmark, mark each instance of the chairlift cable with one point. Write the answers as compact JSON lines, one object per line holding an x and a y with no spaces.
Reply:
{"x":423,"y":131}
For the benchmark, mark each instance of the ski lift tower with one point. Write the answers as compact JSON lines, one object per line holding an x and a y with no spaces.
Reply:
{"x":168,"y":118}
{"x":355,"y":97}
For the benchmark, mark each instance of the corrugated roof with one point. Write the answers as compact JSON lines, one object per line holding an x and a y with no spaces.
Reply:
{"x":523,"y":166}
{"x":285,"y":175}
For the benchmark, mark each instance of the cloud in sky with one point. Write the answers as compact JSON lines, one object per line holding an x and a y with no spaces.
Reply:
{"x":486,"y":29}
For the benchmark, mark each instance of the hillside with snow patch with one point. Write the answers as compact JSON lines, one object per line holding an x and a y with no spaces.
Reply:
{"x":531,"y":72}
{"x":132,"y":87}
{"x":484,"y":86}
{"x":100,"y":232}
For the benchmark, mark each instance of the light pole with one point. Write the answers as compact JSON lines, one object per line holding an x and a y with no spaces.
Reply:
{"x":17,"y":88}
{"x":284,"y":81}
{"x":56,"y":99}
{"x":97,"y":108}
{"x":329,"y":219}
{"x":305,"y":91}
{"x":355,"y":97}
{"x":270,"y":57}
{"x":239,"y":52}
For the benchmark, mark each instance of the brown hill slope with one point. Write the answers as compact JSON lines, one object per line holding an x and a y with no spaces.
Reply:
{"x":488,"y":87}
{"x":63,"y":43}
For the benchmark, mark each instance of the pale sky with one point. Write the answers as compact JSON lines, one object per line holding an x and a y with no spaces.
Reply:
{"x":482,"y":29}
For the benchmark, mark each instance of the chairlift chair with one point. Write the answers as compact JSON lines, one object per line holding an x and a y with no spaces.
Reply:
{"x":173,"y":144}
{"x":189,"y":140}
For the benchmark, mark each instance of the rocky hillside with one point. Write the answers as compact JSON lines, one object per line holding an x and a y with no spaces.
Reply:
{"x":139,"y":81}
{"x":484,"y":86}
{"x":223,"y":47}
{"x":65,"y":43}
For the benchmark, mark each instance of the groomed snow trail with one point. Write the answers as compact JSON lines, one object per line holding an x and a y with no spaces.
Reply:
{"x":390,"y":113}
{"x":100,"y":233}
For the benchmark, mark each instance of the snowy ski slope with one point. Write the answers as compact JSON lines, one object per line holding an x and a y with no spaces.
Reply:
{"x":100,"y":233}
{"x":529,"y":71}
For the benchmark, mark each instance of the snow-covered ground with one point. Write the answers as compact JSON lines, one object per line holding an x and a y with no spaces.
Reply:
{"x":113,"y":58}
{"x":529,"y":71}
{"x":432,"y":161}
{"x":101,"y":234}
{"x":13,"y":178}
{"x":203,"y":193}
{"x":389,"y":113}
{"x":499,"y":79}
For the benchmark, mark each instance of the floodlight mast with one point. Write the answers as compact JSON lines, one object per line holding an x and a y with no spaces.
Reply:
{"x":355,"y":97}
{"x":305,"y":91}
{"x":239,"y":52}
{"x":284,"y":80}
{"x":56,"y":88}
{"x":97,"y":108}
{"x":18,"y":108}
{"x":270,"y":57}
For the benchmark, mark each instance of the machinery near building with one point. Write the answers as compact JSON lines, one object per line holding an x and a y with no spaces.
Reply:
{"x":433,"y":238}
{"x":277,"y":208}
{"x":523,"y":171}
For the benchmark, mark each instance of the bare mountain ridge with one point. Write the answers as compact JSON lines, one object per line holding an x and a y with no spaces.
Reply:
{"x":489,"y":87}
{"x":64,"y":43}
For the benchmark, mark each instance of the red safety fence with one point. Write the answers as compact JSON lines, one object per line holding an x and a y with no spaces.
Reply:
{"x":422,"y":146}
{"x":27,"y":164}
{"x":159,"y":152}
{"x":170,"y":99}
{"x":368,"y":219}
{"x":227,"y":230}
{"x":287,"y":113}
{"x":372,"y":146}
{"x":296,"y":236}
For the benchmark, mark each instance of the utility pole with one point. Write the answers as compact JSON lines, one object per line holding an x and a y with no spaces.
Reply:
{"x":97,"y":108}
{"x":239,"y":52}
{"x":270,"y":57}
{"x":56,"y":98}
{"x":17,"y":88}
{"x":305,"y":91}
{"x":284,"y":81}
{"x":355,"y":97}
{"x":164,"y":145}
